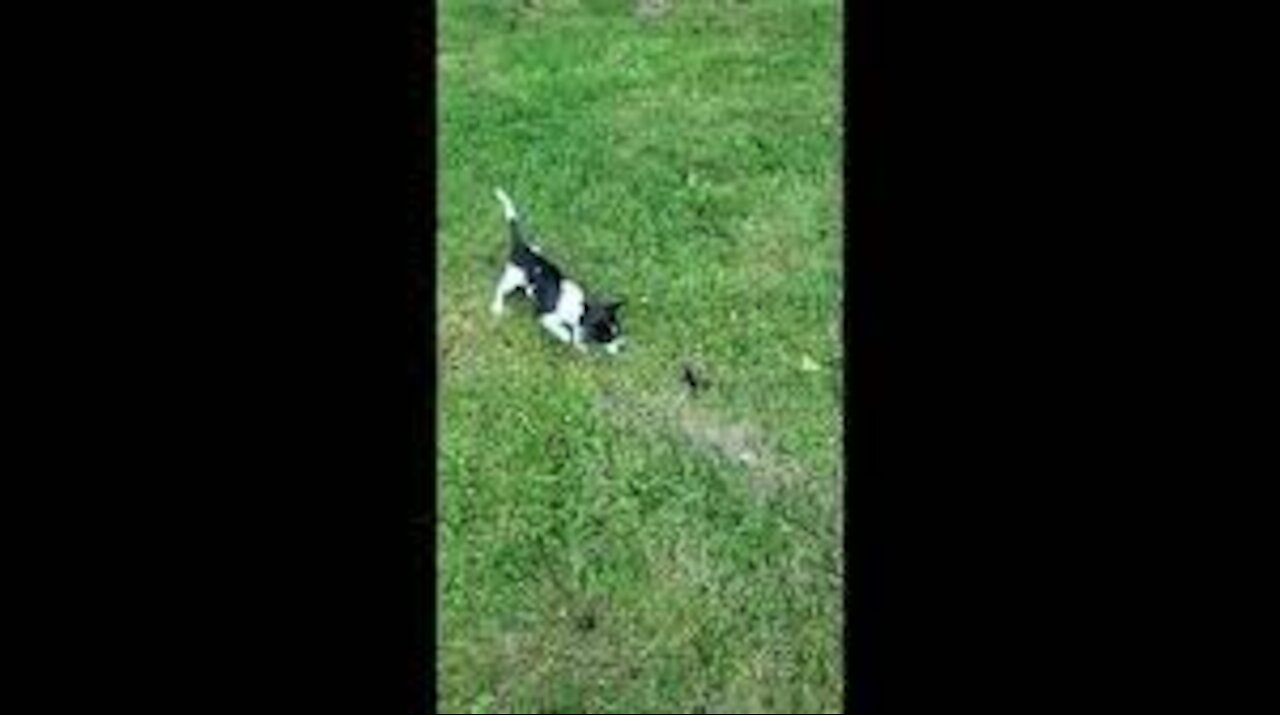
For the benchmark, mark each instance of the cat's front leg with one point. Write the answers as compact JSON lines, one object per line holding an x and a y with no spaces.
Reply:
{"x":557,"y":327}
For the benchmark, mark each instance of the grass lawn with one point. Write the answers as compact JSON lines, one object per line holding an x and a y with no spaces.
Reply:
{"x":610,"y":541}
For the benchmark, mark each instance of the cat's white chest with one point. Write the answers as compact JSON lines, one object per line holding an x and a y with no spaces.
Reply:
{"x":571,"y":303}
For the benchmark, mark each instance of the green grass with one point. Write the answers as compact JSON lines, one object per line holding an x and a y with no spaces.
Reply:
{"x":607,"y":543}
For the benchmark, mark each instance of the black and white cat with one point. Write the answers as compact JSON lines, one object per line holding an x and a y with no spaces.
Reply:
{"x":562,"y":305}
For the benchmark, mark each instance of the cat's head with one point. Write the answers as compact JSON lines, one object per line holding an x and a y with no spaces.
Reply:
{"x":601,"y":324}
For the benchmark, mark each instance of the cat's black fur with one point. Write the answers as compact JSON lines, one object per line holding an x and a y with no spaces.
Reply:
{"x":542,"y":275}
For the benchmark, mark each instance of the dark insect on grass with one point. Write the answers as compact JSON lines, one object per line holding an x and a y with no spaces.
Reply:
{"x":692,"y":380}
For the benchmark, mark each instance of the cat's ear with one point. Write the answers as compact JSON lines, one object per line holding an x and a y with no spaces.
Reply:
{"x":613,"y":305}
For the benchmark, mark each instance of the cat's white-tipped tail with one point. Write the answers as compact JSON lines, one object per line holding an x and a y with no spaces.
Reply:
{"x":508,"y":208}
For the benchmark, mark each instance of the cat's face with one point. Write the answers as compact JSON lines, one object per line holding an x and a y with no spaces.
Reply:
{"x":601,"y":324}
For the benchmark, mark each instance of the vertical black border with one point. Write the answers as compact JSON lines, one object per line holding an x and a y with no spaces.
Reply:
{"x":864,"y":148}
{"x":420,"y":227}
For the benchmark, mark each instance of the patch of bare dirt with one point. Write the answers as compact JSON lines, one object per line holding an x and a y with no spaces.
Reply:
{"x":736,"y":441}
{"x":652,"y":8}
